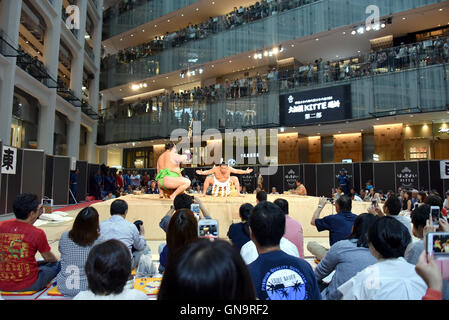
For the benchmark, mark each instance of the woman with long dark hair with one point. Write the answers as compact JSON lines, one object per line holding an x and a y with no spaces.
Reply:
{"x":239,"y":232}
{"x":207,"y":270}
{"x":74,"y":247}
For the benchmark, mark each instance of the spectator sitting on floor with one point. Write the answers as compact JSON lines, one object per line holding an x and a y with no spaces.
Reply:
{"x":19,"y":243}
{"x":249,"y":251}
{"x":274,"y":191}
{"x":391,"y":278}
{"x":419,"y":218}
{"x":238,"y":233}
{"x":347,"y":257}
{"x":108,"y":268}
{"x":276,"y":274}
{"x":153,"y":189}
{"x":129,"y":190}
{"x":74,"y":247}
{"x":261,"y":196}
{"x":207,"y":270}
{"x":116,"y":227}
{"x":183,"y":201}
{"x":293,"y":229}
{"x":182,"y":230}
{"x":339,"y":225}
{"x":392,"y":207}
{"x":110,"y":196}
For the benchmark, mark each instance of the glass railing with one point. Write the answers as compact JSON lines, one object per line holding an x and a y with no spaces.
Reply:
{"x":207,"y":28}
{"x":126,"y":15}
{"x":420,"y":89}
{"x":296,"y":23}
{"x":35,"y":68}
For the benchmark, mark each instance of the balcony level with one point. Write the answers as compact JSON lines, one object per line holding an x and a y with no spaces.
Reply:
{"x":300,"y":24}
{"x":417,"y":89}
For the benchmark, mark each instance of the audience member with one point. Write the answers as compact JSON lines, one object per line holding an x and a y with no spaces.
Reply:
{"x":339,"y":225}
{"x":430,"y":272}
{"x":392,"y":207}
{"x":276,"y":274}
{"x":391,"y":278}
{"x":261,"y":196}
{"x":207,"y":270}
{"x":293,"y":229}
{"x":182,"y":230}
{"x":19,"y":243}
{"x":347,"y":257}
{"x":153,"y":188}
{"x":108,"y":268}
{"x":419,"y":219}
{"x":116,"y":227}
{"x":238,"y":233}
{"x":300,"y":188}
{"x":74,"y":247}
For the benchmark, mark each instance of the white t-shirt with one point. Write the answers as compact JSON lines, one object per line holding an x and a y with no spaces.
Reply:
{"x":127,"y":294}
{"x":249,"y":251}
{"x":392,"y":279}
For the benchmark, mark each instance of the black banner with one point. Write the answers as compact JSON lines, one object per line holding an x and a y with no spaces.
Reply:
{"x":277,"y":181}
{"x":407,"y":174}
{"x":384,"y":176}
{"x":325,"y":179}
{"x":315,"y":106}
{"x":310,"y":180}
{"x":291,"y":174}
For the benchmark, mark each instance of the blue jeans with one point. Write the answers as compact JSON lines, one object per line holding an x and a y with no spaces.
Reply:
{"x":47,"y":272}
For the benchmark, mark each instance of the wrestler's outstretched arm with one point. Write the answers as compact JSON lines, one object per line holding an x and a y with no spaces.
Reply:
{"x":205,"y":172}
{"x":236,"y":171}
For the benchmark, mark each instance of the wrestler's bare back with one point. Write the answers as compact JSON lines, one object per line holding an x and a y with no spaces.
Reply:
{"x":170,"y":161}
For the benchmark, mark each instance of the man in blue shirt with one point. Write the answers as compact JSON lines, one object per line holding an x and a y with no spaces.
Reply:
{"x":339,"y":225}
{"x":343,"y":181}
{"x":277,"y":275}
{"x":126,"y":180}
{"x":73,"y":185}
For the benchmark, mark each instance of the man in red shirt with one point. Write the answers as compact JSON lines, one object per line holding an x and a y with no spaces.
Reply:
{"x":19,"y":242}
{"x":119,"y":180}
{"x":293,"y":229}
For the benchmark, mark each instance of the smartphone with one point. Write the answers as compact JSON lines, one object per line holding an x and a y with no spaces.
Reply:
{"x":436,"y":215}
{"x":208,"y":228}
{"x":438,"y":244}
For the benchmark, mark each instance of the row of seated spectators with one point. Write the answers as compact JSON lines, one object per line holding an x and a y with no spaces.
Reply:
{"x":431,"y":51}
{"x":372,"y":256}
{"x":237,"y":17}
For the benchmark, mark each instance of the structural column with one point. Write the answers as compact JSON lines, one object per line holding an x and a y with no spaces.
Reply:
{"x":10,"y":12}
{"x":47,"y":111}
{"x":73,"y":130}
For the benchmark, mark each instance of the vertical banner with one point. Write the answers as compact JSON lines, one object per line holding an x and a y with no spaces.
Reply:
{"x":407,"y":174}
{"x":444,"y":169}
{"x":9,"y":160}
{"x":325,"y":179}
{"x":291,"y":174}
{"x":383,"y":174}
{"x":277,"y":181}
{"x":310,"y":181}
